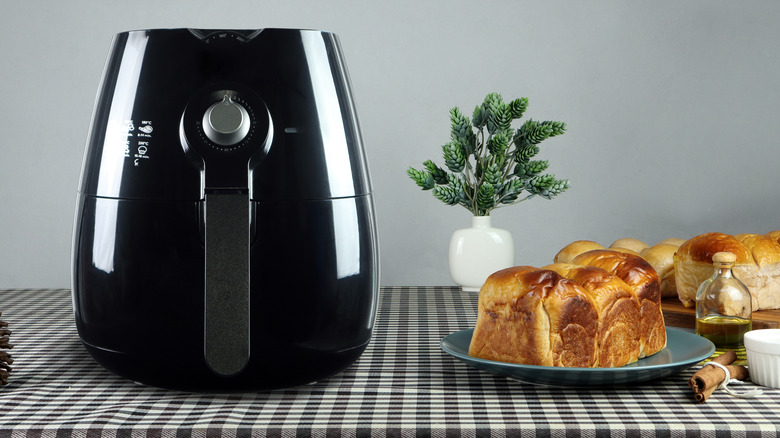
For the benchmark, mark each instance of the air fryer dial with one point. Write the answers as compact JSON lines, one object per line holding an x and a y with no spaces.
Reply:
{"x":227,"y":122}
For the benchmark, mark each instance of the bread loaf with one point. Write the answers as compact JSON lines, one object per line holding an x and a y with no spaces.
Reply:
{"x":535,"y":317}
{"x":637,"y":273}
{"x":602,"y":310}
{"x":757,"y":265}
{"x":618,"y":334}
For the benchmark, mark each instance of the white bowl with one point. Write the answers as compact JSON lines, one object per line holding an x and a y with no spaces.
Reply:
{"x":763,"y":355}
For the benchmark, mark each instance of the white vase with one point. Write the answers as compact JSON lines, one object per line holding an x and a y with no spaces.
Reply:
{"x":479,"y":251}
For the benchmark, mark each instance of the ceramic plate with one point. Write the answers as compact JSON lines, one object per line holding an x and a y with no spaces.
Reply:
{"x":683,"y":349}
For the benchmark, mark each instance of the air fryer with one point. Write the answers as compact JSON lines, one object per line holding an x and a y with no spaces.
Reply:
{"x":225,"y":233}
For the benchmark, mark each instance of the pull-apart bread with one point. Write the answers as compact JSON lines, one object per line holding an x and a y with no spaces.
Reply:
{"x":618,"y":335}
{"x":571,"y":315}
{"x":757,"y":265}
{"x":535,"y":317}
{"x":638,"y":274}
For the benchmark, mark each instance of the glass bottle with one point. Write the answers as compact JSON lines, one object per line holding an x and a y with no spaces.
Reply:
{"x":724,"y":308}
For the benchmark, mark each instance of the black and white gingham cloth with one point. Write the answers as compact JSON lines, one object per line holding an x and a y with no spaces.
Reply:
{"x":403,"y":385}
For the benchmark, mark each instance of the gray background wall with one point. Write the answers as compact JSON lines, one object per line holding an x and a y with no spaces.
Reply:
{"x":672,"y":111}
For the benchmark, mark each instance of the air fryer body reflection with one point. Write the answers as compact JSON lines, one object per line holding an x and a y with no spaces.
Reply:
{"x":225,"y":234}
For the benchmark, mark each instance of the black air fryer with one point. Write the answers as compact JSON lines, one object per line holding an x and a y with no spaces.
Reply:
{"x":225,"y":236}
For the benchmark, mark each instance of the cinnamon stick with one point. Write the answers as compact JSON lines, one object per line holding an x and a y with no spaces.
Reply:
{"x":4,"y":342}
{"x":708,"y":378}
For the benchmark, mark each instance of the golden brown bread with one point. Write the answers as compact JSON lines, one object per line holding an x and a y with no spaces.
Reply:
{"x":535,"y":317}
{"x":774,"y":235}
{"x":617,"y":340}
{"x":568,"y":252}
{"x":661,"y":258}
{"x":639,"y":275}
{"x":764,"y":249}
{"x":596,"y":313}
{"x":757,"y":265}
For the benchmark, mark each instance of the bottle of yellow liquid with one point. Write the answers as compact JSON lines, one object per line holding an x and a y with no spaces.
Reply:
{"x":723,"y":308}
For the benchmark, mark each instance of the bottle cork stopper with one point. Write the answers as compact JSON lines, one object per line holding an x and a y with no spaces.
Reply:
{"x":724,"y":258}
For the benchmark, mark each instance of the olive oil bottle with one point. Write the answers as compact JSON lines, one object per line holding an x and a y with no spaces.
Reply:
{"x":724,"y":308}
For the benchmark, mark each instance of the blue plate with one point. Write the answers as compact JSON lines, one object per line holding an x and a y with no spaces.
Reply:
{"x":683,"y":349}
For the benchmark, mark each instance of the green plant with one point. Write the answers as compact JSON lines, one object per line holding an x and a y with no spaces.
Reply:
{"x":489,"y":163}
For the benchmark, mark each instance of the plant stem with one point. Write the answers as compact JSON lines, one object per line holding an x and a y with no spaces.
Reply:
{"x":468,"y":179}
{"x":479,"y":153}
{"x":509,"y":163}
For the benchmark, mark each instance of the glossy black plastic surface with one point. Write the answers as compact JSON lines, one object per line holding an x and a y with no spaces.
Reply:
{"x":164,"y":214}
{"x":305,"y":142}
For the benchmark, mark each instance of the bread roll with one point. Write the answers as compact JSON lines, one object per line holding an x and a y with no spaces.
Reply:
{"x":672,"y":241}
{"x":617,"y":339}
{"x":661,"y":258}
{"x":635,"y":245}
{"x":640,"y":275}
{"x":535,"y":317}
{"x":574,"y":249}
{"x":693,"y":264}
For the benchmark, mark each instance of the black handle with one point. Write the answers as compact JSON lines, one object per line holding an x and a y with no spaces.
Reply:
{"x":226,"y":334}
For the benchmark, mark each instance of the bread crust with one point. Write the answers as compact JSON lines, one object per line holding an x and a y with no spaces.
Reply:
{"x":536,"y":317}
{"x":618,"y":342}
{"x":642,"y":278}
{"x":775,"y":235}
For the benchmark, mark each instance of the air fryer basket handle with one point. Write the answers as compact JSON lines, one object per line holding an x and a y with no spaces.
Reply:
{"x":226,"y":332}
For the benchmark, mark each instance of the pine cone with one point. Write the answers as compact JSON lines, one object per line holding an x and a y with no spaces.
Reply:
{"x":5,"y":358}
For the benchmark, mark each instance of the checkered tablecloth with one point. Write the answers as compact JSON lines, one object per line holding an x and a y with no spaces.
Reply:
{"x":403,"y":385}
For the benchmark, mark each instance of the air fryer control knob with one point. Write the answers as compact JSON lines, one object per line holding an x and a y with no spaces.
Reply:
{"x":226,"y":123}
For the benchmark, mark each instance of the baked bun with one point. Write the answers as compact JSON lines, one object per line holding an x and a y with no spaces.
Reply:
{"x":672,"y":241}
{"x":574,"y":249}
{"x":661,"y":258}
{"x":642,"y":278}
{"x":693,"y":264}
{"x":617,"y":339}
{"x":635,"y":245}
{"x":535,"y":317}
